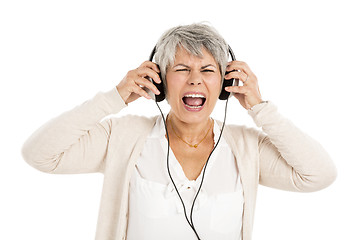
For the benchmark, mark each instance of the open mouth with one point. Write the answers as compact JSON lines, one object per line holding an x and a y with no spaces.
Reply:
{"x":194,"y":101}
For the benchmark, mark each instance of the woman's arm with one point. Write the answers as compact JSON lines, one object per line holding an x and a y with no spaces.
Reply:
{"x":76,"y":141}
{"x":290,"y":159}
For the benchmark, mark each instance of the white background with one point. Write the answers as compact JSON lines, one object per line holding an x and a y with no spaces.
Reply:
{"x":54,"y":55}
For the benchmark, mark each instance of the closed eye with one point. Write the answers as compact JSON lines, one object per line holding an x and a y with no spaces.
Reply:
{"x":208,"y":70}
{"x":181,"y":70}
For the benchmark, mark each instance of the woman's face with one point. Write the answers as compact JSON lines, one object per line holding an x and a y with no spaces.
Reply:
{"x":193,"y":86}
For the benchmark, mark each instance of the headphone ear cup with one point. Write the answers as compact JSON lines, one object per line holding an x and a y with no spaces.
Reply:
{"x":161,"y":88}
{"x":224,"y":95}
{"x":226,"y":83}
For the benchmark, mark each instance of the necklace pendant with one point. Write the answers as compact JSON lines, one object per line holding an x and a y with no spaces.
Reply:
{"x":195,"y":146}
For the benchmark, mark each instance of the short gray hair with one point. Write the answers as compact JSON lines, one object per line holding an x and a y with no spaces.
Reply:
{"x":193,"y":38}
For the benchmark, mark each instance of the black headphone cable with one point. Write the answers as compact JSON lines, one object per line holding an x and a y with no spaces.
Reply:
{"x":203,"y":175}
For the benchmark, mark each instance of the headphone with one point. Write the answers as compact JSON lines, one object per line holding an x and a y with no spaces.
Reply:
{"x":224,"y":95}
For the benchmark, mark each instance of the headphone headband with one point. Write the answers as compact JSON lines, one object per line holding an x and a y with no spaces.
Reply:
{"x":223,"y":95}
{"x":232,"y":55}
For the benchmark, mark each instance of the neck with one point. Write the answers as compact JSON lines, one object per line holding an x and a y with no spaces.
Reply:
{"x":190,"y":132}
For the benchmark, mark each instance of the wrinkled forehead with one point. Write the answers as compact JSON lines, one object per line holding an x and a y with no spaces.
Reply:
{"x":185,"y":57}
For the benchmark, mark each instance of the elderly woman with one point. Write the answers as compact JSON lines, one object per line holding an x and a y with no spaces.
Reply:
{"x":146,"y":198}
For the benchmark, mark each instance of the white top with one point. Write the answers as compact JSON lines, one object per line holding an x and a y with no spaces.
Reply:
{"x":155,"y":209}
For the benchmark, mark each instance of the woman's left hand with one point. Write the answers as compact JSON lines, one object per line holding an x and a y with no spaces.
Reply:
{"x":248,"y":94}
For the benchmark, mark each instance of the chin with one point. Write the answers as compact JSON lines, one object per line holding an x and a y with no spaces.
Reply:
{"x":193,"y":115}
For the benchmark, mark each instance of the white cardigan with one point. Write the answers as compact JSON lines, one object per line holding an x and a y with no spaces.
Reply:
{"x":156,"y":209}
{"x":78,"y":141}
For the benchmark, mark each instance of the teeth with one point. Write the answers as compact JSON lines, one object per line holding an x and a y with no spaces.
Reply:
{"x":193,"y":107}
{"x":195,"y":95}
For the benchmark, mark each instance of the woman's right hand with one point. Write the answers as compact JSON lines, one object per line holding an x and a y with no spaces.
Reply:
{"x":133,"y":84}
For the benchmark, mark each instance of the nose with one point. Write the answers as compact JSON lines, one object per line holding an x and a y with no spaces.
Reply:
{"x":195,"y":78}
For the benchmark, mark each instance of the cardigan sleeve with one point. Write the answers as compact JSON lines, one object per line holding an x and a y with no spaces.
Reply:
{"x":288,"y":158}
{"x":75,"y":141}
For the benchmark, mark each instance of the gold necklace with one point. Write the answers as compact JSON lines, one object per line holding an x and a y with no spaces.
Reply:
{"x":190,"y":145}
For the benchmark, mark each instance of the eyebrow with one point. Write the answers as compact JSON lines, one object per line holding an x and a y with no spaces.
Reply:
{"x":209,"y":65}
{"x":181,"y":65}
{"x":203,"y":67}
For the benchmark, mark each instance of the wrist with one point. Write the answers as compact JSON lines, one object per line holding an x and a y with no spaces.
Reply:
{"x":258,"y":104}
{"x":122,"y":93}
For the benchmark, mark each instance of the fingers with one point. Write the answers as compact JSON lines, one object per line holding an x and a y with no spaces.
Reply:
{"x":143,"y":82}
{"x":151,"y":65}
{"x":237,"y":89}
{"x":139,"y":91}
{"x":147,"y":72}
{"x":134,"y":83}
{"x":239,"y":65}
{"x":241,"y":71}
{"x":149,"y":69}
{"x":237,"y":75}
{"x":248,"y":94}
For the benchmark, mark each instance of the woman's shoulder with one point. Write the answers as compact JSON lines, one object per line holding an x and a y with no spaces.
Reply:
{"x":132,"y":121}
{"x":237,"y":131}
{"x":130,"y":124}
